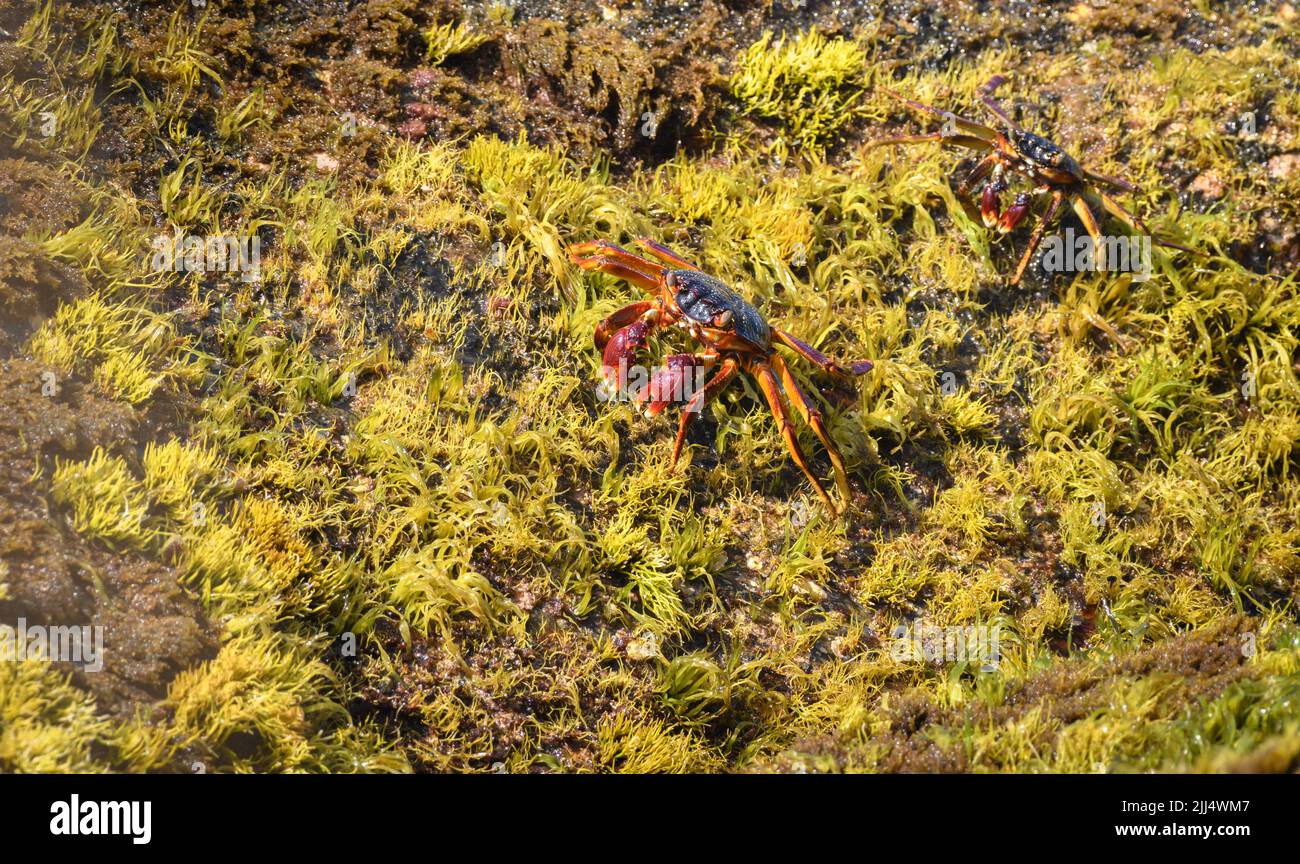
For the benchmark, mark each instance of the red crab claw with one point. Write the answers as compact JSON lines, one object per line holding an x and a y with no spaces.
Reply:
{"x":623,"y":347}
{"x":990,"y":205}
{"x":675,"y":382}
{"x":1015,"y":214}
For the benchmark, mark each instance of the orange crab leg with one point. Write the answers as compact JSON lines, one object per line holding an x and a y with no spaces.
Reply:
{"x":605,"y":249}
{"x":1122,"y":214}
{"x":611,"y":250}
{"x":615,"y":267}
{"x":1115,"y":182}
{"x":1090,"y":224}
{"x":813,"y":418}
{"x":1057,"y":197}
{"x":772,"y":391}
{"x":1087,"y":217}
{"x":664,"y":254}
{"x":620,"y":319}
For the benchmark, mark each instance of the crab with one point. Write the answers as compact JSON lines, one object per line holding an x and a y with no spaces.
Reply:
{"x":1015,"y":151}
{"x":733,"y":334}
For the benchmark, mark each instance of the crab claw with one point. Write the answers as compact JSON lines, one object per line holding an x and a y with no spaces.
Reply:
{"x":990,"y":205}
{"x":675,"y":382}
{"x":1013,"y":215}
{"x":623,"y":347}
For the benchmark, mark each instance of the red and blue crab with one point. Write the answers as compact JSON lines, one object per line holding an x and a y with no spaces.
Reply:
{"x":733,"y":334}
{"x":1015,"y":152}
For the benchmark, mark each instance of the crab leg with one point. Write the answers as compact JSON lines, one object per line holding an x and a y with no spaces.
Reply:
{"x":1115,"y":182}
{"x":813,"y":418}
{"x":826,"y":364}
{"x":772,"y":390}
{"x":970,"y":141}
{"x":1087,"y":217}
{"x":1057,"y":197}
{"x":986,"y":97}
{"x":693,"y":408}
{"x":1117,"y":210}
{"x":615,"y":267}
{"x":977,"y":130}
{"x":605,"y":249}
{"x":607,"y":328}
{"x":980,"y":171}
{"x":664,"y":254}
{"x":1089,"y":220}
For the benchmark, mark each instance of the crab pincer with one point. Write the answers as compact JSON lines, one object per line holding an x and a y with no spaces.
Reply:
{"x":622,"y":348}
{"x":673,"y":383}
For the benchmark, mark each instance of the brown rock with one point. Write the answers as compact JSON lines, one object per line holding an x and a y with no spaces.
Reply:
{"x":1208,"y":185}
{"x":326,"y":164}
{"x":1283,"y":166}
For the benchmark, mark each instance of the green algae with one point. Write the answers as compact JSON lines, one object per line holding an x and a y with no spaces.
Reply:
{"x":811,"y":83}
